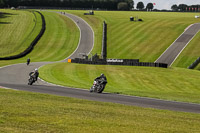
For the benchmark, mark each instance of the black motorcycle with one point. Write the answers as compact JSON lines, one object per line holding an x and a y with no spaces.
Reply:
{"x":28,"y":62}
{"x":31,"y":79}
{"x":98,"y":85}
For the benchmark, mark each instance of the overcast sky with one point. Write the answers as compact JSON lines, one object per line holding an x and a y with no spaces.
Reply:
{"x":166,"y":4}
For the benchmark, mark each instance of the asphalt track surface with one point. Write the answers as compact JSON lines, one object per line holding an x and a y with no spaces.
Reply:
{"x":86,"y":40}
{"x":16,"y":77}
{"x":171,"y":54}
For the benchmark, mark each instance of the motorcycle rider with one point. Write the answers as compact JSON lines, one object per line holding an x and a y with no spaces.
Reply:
{"x":102,"y":79}
{"x":34,"y":74}
{"x":28,"y":61}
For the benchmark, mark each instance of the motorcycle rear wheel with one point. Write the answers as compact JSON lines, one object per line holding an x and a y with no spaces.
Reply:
{"x":100,"y":88}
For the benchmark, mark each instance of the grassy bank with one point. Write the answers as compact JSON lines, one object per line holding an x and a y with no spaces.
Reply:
{"x":18,"y":30}
{"x":189,"y":54}
{"x":58,"y":42}
{"x":170,"y":84}
{"x":145,"y":40}
{"x":31,"y":112}
{"x":97,"y":25}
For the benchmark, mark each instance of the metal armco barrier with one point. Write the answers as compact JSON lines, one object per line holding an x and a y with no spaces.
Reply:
{"x":33,"y":43}
{"x":193,"y":65}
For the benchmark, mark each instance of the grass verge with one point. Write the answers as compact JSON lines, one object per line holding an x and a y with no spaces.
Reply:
{"x":32,"y":112}
{"x":170,"y":84}
{"x":18,"y":29}
{"x":189,"y":54}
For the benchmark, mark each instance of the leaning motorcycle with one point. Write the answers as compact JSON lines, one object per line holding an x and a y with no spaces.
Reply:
{"x":98,"y":85}
{"x":31,"y":79}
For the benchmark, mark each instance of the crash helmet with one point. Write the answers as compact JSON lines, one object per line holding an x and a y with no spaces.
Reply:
{"x":102,"y":74}
{"x":36,"y":69}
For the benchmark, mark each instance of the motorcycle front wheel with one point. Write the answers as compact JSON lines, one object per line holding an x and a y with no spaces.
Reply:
{"x":30,"y":81}
{"x":91,"y":89}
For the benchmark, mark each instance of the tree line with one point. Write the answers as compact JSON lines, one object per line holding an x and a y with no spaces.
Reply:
{"x":185,"y":8}
{"x":2,"y":3}
{"x":102,"y":4}
{"x":140,"y":6}
{"x":180,"y":7}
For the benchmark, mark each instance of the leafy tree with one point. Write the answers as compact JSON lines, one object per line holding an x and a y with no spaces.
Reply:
{"x":1,"y":3}
{"x":123,"y":6}
{"x":140,"y":5}
{"x":149,"y":6}
{"x":194,"y":8}
{"x":11,"y":3}
{"x":174,"y":7}
{"x":130,"y":3}
{"x":103,"y":4}
{"x":182,"y":7}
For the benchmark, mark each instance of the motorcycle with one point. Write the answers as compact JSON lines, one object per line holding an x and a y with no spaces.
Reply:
{"x":28,"y":62}
{"x":31,"y":79}
{"x":98,"y":85}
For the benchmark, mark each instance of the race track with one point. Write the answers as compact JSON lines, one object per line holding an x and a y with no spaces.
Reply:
{"x":16,"y":76}
{"x":170,"y":55}
{"x":86,"y":41}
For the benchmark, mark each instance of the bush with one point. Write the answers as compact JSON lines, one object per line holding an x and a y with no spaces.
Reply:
{"x":1,"y":3}
{"x":122,"y":6}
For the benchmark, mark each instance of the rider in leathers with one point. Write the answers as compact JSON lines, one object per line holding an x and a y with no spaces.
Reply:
{"x":34,"y":74}
{"x":102,"y":79}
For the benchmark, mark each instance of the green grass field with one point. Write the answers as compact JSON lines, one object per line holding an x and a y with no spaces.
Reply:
{"x":169,"y":84}
{"x":58,"y":42}
{"x":146,"y":44}
{"x":189,"y":54}
{"x":145,"y":40}
{"x":18,"y":30}
{"x":33,"y":112}
{"x":54,"y":46}
{"x":153,"y":36}
{"x":23,"y":112}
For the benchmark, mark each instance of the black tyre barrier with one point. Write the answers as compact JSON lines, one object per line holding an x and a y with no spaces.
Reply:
{"x":125,"y":62}
{"x":193,"y":65}
{"x":104,"y":41}
{"x":33,"y":43}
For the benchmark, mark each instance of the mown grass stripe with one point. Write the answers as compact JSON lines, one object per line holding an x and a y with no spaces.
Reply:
{"x":44,"y":47}
{"x":57,"y":39}
{"x":189,"y":54}
{"x":163,"y":26}
{"x":135,"y":34}
{"x":20,"y":25}
{"x":31,"y":112}
{"x":159,"y":83}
